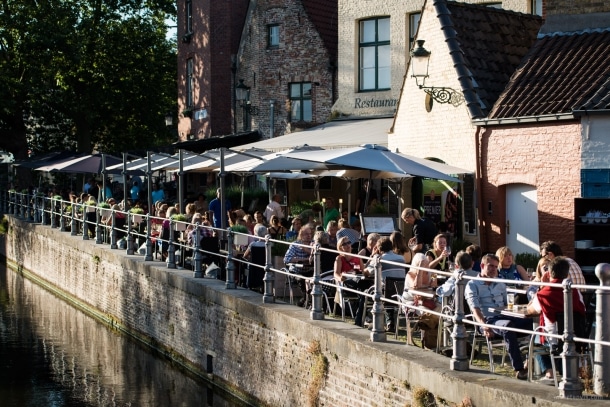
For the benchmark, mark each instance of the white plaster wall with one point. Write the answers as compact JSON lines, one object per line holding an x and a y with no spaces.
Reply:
{"x":446,"y":131}
{"x":595,"y":142}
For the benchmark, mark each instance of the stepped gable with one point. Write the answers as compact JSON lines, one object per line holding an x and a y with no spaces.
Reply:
{"x":323,"y":14}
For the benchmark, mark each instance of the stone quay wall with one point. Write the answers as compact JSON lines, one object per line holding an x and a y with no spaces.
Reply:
{"x":267,"y":354}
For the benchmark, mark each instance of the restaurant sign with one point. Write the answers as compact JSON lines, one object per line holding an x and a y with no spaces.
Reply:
{"x":360,"y":103}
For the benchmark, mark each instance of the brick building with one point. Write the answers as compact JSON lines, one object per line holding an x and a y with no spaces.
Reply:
{"x":526,"y":134}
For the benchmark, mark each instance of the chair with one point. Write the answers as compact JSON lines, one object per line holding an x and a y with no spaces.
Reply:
{"x":478,"y":339}
{"x":554,"y":352}
{"x":256,"y":274}
{"x":209,"y":246}
{"x":345,"y":299}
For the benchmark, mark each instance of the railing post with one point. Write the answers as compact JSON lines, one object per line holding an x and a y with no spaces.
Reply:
{"x":23,"y":205}
{"x":130,"y":250}
{"x":601,"y":362}
{"x":113,"y":239}
{"x":30,"y":209}
{"x":62,"y":220}
{"x":459,"y":359}
{"x":43,"y":214}
{"x":73,"y":227}
{"x":149,"y":252}
{"x":230,"y":282}
{"x":171,"y":248}
{"x":269,"y":277}
{"x":197,"y":257}
{"x":35,"y":208}
{"x":53,"y":219}
{"x":570,"y":386}
{"x":378,"y":332}
{"x":316,"y":292}
{"x":98,"y":227}
{"x":85,"y":227}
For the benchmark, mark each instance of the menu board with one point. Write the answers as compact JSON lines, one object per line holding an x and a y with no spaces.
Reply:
{"x":382,"y":224}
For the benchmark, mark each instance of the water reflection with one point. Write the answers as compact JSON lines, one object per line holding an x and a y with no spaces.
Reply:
{"x":54,"y":355}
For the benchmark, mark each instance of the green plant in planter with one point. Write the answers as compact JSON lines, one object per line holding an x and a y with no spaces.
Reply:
{"x":279,"y":249}
{"x":527,"y":260}
{"x":57,"y":197}
{"x":24,"y":191}
{"x":68,"y":209}
{"x":103,"y":205}
{"x":137,"y":211}
{"x":178,"y":217}
{"x":239,"y":228}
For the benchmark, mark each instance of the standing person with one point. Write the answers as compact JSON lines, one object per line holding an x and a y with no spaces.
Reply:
{"x":135,"y":191}
{"x":551,"y":249}
{"x":216,"y":210}
{"x":361,"y":202}
{"x":482,"y":296}
{"x":157,"y":193}
{"x":548,"y":302}
{"x":274,"y":208}
{"x":423,"y":230}
{"x":332,"y":213}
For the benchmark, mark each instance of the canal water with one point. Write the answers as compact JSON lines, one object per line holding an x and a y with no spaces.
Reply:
{"x":53,"y":355}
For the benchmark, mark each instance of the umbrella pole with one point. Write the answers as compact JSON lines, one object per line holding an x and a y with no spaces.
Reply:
{"x":223,"y":206}
{"x":368,"y":190}
{"x":349,"y":200}
{"x":181,"y":179}
{"x":104,"y":177}
{"x":241,"y":186}
{"x":125,"y":201}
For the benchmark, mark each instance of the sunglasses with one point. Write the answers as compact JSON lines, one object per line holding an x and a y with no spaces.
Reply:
{"x":346,"y":244}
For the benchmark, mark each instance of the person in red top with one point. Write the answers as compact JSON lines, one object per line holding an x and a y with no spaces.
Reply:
{"x":548,"y":302}
{"x":346,"y":264}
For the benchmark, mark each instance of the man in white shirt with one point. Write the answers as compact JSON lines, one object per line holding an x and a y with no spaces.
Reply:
{"x":274,"y":208}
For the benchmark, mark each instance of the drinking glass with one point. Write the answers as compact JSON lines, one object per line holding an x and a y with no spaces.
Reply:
{"x":448,"y":250}
{"x":412,"y":245}
{"x":530,"y":272}
{"x":510,"y":299}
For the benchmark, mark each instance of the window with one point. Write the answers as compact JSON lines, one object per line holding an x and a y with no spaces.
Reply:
{"x":188,"y":17}
{"x":374,"y":61}
{"x":413,"y":25}
{"x":273,"y":39}
{"x":537,"y":7}
{"x":493,"y":5}
{"x":189,"y":83}
{"x":300,"y":100}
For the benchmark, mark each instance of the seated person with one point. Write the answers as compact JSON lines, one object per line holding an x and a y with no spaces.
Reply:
{"x":547,"y":302}
{"x":463,"y":262}
{"x":346,"y":264}
{"x":275,"y":229}
{"x":294,"y":230}
{"x":483,"y":295}
{"x":327,"y":258}
{"x":346,"y":230}
{"x":299,"y":253}
{"x":253,"y":273}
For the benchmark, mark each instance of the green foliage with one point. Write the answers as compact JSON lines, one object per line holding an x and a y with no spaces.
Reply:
{"x":178,"y":217}
{"x":459,"y":244}
{"x":377,"y":209}
{"x":239,"y":228}
{"x":3,"y":225}
{"x":258,"y":196}
{"x":103,"y":205}
{"x":279,"y":249}
{"x":527,"y":260}
{"x":137,"y":211}
{"x":305,"y":209}
{"x":78,"y":74}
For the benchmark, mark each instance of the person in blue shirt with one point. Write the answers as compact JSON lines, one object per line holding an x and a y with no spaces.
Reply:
{"x":157,"y":194}
{"x":216,"y":209}
{"x":483,"y":297}
{"x":135,"y":191}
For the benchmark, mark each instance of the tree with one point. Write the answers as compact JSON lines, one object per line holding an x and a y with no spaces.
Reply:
{"x":85,"y":74}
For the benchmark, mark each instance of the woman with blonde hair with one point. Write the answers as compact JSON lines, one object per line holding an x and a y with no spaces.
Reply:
{"x":508,"y":269}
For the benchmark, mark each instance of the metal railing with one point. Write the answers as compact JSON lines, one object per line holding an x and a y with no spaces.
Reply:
{"x":138,"y":228}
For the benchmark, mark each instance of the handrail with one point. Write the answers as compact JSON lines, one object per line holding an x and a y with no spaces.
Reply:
{"x":51,"y":211}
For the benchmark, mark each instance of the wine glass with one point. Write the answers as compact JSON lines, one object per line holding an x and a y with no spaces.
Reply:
{"x":448,"y":250}
{"x":412,"y":244}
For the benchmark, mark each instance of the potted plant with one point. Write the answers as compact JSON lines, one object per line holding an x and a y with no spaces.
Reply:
{"x":138,"y":214}
{"x":179,"y":222}
{"x":240,"y":239}
{"x":104,"y":208}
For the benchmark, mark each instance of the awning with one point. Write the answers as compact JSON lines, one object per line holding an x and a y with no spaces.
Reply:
{"x":211,"y":143}
{"x":335,"y":134}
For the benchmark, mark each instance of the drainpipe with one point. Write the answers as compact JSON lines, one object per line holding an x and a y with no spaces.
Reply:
{"x":271,"y":118}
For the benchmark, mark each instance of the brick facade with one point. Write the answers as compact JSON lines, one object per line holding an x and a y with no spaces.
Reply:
{"x":300,"y":57}
{"x":544,"y":156}
{"x":261,"y":352}
{"x":215,"y":37}
{"x":555,"y":7}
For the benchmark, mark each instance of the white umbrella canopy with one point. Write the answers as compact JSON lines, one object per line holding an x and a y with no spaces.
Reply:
{"x":138,"y":163}
{"x":89,"y":164}
{"x":172,"y":163}
{"x":373,"y":158}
